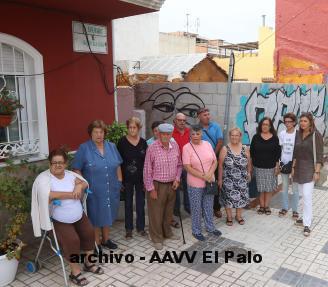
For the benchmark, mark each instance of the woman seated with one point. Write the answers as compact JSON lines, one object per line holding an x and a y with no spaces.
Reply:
{"x":57,"y":193}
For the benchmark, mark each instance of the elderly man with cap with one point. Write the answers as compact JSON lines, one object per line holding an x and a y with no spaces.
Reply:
{"x":212,"y":133}
{"x":162,"y":171}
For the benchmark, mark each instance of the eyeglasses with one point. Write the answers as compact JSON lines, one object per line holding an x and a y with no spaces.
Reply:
{"x":57,"y":163}
{"x":288,"y":122}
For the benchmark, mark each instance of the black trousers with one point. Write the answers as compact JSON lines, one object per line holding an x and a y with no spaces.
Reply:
{"x":140,"y":206}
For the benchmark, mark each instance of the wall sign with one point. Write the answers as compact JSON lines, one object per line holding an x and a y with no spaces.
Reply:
{"x":97,"y":38}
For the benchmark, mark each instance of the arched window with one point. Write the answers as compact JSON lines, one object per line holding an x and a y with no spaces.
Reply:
{"x":27,"y":134}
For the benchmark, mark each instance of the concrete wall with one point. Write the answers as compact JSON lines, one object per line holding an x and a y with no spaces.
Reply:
{"x":170,"y":44}
{"x":250,"y":102}
{"x":135,"y":37}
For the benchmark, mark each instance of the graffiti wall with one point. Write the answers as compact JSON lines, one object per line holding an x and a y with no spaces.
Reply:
{"x":275,"y":102}
{"x":250,"y":102}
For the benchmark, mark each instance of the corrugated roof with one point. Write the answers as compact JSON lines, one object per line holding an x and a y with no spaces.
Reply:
{"x":168,"y":65}
{"x":151,"y":4}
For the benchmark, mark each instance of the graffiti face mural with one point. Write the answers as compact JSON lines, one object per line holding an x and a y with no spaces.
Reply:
{"x":274,"y":103}
{"x":170,"y":102}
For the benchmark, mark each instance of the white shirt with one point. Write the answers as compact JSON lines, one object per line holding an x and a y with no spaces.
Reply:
{"x":69,"y":210}
{"x":40,"y":201}
{"x":287,"y":142}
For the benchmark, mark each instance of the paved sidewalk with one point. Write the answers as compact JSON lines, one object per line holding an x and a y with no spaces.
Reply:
{"x":289,"y":259}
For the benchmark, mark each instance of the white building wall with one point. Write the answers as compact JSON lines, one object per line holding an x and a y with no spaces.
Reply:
{"x":135,"y":37}
{"x":170,"y":44}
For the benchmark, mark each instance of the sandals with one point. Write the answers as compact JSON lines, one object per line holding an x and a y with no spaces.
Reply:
{"x":283,"y":212}
{"x":90,"y":268}
{"x":175,"y":224}
{"x":82,"y":281}
{"x":261,"y":210}
{"x":241,"y":220}
{"x":267,"y":210}
{"x":295,"y":215}
{"x":229,"y":222}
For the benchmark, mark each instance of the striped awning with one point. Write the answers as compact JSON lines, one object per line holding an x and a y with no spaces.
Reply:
{"x":151,"y":4}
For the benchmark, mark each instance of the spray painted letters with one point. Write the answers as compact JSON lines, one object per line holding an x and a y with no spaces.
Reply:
{"x":276,"y":102}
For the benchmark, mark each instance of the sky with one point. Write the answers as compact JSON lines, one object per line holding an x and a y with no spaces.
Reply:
{"x":232,"y":20}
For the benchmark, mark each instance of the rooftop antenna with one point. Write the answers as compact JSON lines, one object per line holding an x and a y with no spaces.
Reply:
{"x":197,"y":24}
{"x":263,"y":20}
{"x":188,"y":30}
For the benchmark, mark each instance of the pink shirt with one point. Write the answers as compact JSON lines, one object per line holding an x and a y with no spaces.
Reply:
{"x":207,"y":156}
{"x":163,"y":165}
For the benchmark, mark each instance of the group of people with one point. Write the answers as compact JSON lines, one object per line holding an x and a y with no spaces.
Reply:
{"x":178,"y":160}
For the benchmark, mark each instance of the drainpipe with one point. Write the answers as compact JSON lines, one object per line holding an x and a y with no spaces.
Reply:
{"x":228,"y":98}
{"x":114,"y":73}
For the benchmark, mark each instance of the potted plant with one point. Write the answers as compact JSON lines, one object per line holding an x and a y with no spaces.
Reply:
{"x":115,"y":131}
{"x":13,"y":215}
{"x":8,"y":106}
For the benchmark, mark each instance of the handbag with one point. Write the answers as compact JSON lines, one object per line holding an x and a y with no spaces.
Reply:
{"x":286,"y":168}
{"x":211,"y":188}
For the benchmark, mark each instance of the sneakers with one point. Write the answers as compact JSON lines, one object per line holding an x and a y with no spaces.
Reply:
{"x":109,"y":244}
{"x":306,"y":231}
{"x":158,"y":246}
{"x":199,"y":237}
{"x":299,"y":222}
{"x":216,"y":232}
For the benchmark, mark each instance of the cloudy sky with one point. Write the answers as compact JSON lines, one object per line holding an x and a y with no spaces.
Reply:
{"x":230,"y":20}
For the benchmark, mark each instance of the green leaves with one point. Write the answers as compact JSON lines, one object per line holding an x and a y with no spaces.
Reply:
{"x":8,"y":102}
{"x":15,"y":196}
{"x":115,"y":131}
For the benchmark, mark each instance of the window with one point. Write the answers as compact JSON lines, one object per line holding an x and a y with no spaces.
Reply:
{"x":27,"y":133}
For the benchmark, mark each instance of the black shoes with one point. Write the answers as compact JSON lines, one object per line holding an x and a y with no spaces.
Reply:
{"x":109,"y":245}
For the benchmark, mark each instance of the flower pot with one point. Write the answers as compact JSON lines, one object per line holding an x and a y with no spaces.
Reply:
{"x":8,"y":270}
{"x":5,"y":120}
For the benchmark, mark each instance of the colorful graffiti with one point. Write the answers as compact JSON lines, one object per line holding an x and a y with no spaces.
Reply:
{"x":274,"y":103}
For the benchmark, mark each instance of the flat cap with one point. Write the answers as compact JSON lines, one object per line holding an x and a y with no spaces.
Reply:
{"x":165,"y":128}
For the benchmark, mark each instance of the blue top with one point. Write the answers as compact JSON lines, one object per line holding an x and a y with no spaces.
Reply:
{"x":101,"y":173}
{"x":215,"y":134}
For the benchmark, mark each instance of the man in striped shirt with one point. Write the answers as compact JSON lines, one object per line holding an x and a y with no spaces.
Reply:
{"x":162,"y":171}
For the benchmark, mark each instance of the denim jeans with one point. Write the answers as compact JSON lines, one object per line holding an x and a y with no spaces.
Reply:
{"x":184,"y":188}
{"x":295,"y":194}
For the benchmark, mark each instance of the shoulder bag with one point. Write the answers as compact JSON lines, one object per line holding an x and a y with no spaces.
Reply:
{"x":211,"y":188}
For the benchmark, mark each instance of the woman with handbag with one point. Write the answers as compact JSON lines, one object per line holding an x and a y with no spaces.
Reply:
{"x":200,"y":162}
{"x":234,"y":176}
{"x":307,"y":162}
{"x":287,"y":143}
